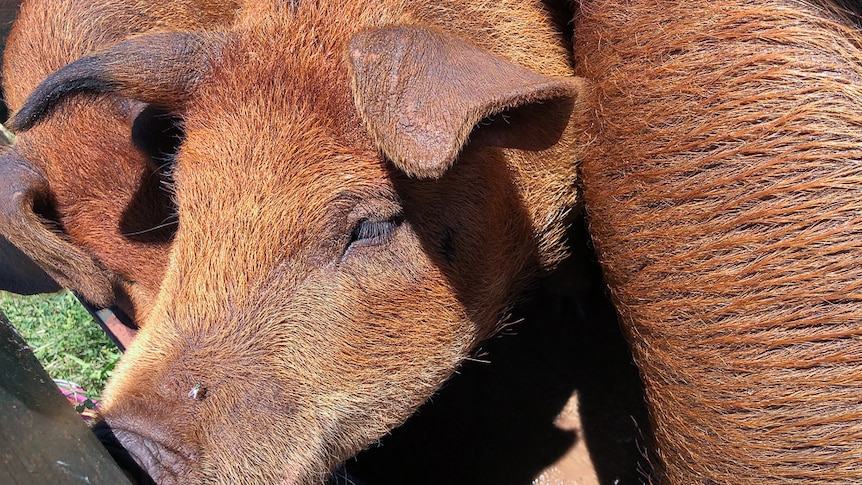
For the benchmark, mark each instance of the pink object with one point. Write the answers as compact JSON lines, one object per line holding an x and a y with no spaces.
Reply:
{"x":76,"y":395}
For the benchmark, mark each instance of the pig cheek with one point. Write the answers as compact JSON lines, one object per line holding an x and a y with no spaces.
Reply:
{"x":265,"y":447}
{"x":395,"y":339}
{"x":371,"y":358}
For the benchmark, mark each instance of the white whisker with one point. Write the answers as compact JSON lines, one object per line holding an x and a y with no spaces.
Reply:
{"x":160,"y":226}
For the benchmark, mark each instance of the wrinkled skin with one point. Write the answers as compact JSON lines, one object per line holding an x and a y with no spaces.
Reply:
{"x":344,"y":240}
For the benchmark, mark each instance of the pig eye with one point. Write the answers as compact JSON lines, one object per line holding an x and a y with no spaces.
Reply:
{"x":373,"y":231}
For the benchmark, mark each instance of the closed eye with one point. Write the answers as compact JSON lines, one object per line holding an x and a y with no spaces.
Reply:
{"x":371,"y":231}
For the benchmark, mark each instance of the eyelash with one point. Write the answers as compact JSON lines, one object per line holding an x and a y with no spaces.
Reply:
{"x":369,"y":231}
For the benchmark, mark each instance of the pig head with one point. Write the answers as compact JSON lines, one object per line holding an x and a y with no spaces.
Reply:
{"x":91,"y":208}
{"x":362,"y":192}
{"x":724,"y":197}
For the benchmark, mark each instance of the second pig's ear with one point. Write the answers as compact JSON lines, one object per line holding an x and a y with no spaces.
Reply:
{"x":24,"y":190}
{"x":421,"y":93}
{"x":161,"y":69}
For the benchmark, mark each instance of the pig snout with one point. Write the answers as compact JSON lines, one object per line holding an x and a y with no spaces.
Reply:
{"x":146,"y":447}
{"x":147,"y":461}
{"x":164,"y":439}
{"x":127,"y":458}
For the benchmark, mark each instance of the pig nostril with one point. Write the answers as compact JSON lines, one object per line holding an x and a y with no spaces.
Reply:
{"x":198,"y":392}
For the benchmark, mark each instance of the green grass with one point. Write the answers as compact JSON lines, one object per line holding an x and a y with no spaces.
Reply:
{"x":64,"y":337}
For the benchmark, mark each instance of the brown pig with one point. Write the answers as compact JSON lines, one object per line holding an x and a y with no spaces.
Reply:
{"x":363,"y":189}
{"x":723,"y":188}
{"x":90,"y":205}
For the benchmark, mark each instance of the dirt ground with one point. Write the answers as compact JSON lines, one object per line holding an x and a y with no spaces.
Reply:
{"x":554,"y":400}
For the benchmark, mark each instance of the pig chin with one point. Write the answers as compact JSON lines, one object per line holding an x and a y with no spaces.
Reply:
{"x":148,"y":462}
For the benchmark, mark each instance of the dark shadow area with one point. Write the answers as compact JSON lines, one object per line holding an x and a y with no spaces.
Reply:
{"x":493,"y":422}
{"x":4,"y":109}
{"x":562,"y":13}
{"x":613,"y":412}
{"x":150,"y":216}
{"x":19,"y":274}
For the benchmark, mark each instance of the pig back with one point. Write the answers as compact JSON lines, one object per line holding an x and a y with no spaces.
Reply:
{"x":723,"y":192}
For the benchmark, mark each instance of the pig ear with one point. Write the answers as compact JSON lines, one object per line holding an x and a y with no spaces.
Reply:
{"x":22,"y":188}
{"x":159,"y":69}
{"x":421,"y":92}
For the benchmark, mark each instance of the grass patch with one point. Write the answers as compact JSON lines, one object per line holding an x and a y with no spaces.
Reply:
{"x":64,"y":337}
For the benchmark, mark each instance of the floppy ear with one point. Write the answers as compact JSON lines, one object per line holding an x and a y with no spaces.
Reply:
{"x":421,"y":92}
{"x":22,"y":188}
{"x":160,"y":69}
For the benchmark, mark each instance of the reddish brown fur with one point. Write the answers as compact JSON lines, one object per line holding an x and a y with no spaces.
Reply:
{"x":302,"y":353}
{"x":106,"y":192}
{"x":723,"y":188}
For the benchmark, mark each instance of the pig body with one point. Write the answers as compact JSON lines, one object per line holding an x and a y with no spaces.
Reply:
{"x":723,"y":192}
{"x":363,"y":190}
